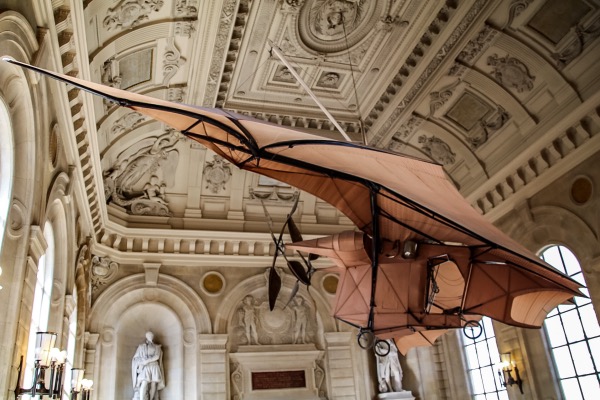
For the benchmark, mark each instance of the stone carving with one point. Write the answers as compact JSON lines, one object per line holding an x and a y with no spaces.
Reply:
{"x":110,"y":73}
{"x":186,"y":8}
{"x":437,"y":149}
{"x":389,"y":371}
{"x":476,"y":46}
{"x":295,"y":3}
{"x":172,"y":61}
{"x":130,"y":13}
{"x":126,"y":122}
{"x":236,"y":380}
{"x":330,"y":80}
{"x":134,"y":183}
{"x":511,"y":73}
{"x":217,"y":173}
{"x":248,"y":319}
{"x":147,"y":370}
{"x":102,"y":271}
{"x":409,"y":127}
{"x":176,"y":94}
{"x":272,"y":189}
{"x":516,"y":8}
{"x":300,"y":319}
{"x":454,"y":38}
{"x":496,"y":122}
{"x":332,"y":18}
{"x":283,"y":74}
{"x":582,"y":37}
{"x":255,"y":324}
{"x":438,"y":99}
{"x":185,"y":28}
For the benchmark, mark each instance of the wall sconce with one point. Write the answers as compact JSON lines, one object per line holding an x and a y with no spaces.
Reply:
{"x":505,"y":369}
{"x":48,"y":360}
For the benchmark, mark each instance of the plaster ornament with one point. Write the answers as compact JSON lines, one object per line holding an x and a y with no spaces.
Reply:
{"x":102,"y":271}
{"x":283,"y":74}
{"x":516,"y":8}
{"x":134,"y":183}
{"x":172,"y":61}
{"x":217,"y":173}
{"x":332,"y":17}
{"x":582,"y":36}
{"x":438,"y":99}
{"x":437,"y":149}
{"x":496,"y":122}
{"x":186,"y":8}
{"x":130,"y":13}
{"x":476,"y":46}
{"x":185,"y":28}
{"x":295,"y":3}
{"x":329,"y":80}
{"x":126,"y":122}
{"x":511,"y":73}
{"x":147,"y":370}
{"x":110,"y":73}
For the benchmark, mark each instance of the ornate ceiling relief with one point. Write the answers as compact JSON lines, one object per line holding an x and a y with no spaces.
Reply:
{"x":437,"y":149}
{"x":511,"y":73}
{"x":330,"y":26}
{"x":186,"y":8}
{"x":137,"y":182}
{"x":130,"y":13}
{"x":475,"y":47}
{"x":217,"y":173}
{"x":102,"y":271}
{"x":172,"y":61}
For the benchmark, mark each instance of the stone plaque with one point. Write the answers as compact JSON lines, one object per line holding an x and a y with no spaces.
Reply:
{"x":557,"y":17}
{"x":135,"y":68}
{"x":468,"y":110}
{"x":278,"y":380}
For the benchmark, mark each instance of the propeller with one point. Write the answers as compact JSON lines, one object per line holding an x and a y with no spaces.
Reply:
{"x":302,"y":271}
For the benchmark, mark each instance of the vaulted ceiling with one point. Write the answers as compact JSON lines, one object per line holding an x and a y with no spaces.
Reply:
{"x":495,"y":91}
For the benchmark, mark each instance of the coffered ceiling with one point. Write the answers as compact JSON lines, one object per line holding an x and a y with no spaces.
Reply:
{"x":499,"y":92}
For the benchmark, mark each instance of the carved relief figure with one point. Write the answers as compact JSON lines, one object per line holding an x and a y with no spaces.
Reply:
{"x":300,"y":319}
{"x":248,"y":319}
{"x":130,"y":13}
{"x":134,"y":183}
{"x":333,"y":17}
{"x":147,"y":370}
{"x":389,"y":371}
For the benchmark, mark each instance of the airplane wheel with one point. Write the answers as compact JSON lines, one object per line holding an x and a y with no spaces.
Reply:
{"x":366,"y":340}
{"x":472,"y":329}
{"x":382,"y":348}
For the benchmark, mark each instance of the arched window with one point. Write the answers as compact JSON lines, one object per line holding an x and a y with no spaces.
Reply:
{"x":6,"y":169}
{"x":41,"y":299}
{"x":482,"y":361}
{"x":574,"y":334}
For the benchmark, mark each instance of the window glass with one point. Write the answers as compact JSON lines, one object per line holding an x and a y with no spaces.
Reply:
{"x":482,"y":360}
{"x":574,"y":334}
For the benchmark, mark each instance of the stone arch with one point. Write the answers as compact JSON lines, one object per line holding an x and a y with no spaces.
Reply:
{"x":235,"y":296}
{"x":126,"y":310}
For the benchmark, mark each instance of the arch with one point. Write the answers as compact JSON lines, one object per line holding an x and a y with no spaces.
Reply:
{"x":171,"y":308}
{"x":236,"y":295}
{"x":6,"y":166}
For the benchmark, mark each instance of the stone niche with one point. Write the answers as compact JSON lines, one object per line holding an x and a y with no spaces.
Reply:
{"x":276,"y":372}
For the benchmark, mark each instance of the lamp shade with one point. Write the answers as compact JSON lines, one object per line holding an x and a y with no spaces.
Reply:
{"x":76,"y":379}
{"x":87,"y":384}
{"x":505,"y":360}
{"x":44,"y":342}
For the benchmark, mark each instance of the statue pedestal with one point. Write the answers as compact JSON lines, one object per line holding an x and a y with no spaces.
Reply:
{"x":405,"y":394}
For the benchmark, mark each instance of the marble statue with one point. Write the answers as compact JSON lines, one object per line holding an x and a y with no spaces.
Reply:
{"x":389,"y":372}
{"x":300,"y":319}
{"x":248,"y":318}
{"x":147,"y":370}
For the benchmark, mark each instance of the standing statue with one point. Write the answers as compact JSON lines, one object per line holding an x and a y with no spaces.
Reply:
{"x":389,"y":372}
{"x":300,"y":318}
{"x":248,"y":319}
{"x":147,"y":370}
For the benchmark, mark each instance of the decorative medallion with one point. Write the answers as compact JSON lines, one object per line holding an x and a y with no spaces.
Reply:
{"x":330,"y":284}
{"x":130,"y":13}
{"x":213,"y":283}
{"x":217,"y":173}
{"x":437,"y":149}
{"x":103,"y":269}
{"x":511,"y":73}
{"x":329,"y":80}
{"x":582,"y":190}
{"x":329,"y":26}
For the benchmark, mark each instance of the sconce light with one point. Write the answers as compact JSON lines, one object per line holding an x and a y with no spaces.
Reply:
{"x":48,"y":359}
{"x":505,"y":369}
{"x":86,"y":385}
